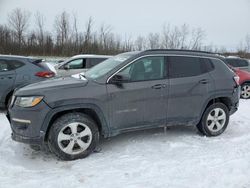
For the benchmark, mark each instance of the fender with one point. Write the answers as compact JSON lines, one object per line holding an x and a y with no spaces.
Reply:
{"x":54,"y":111}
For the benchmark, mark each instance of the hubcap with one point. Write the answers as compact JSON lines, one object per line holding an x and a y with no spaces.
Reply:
{"x":216,"y":119}
{"x":245,"y":91}
{"x":74,"y":138}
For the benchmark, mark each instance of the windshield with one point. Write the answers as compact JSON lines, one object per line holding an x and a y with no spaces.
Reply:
{"x":107,"y":65}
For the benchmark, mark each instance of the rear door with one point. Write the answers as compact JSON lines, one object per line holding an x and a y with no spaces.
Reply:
{"x":189,"y":86}
{"x":7,"y":79}
{"x":141,"y":102}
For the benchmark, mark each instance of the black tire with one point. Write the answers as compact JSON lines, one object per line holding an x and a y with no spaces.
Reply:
{"x":245,"y":94}
{"x":59,"y":126}
{"x":203,"y":124}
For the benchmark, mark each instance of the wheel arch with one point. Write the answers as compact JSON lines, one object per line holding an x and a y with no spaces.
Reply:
{"x":91,"y":110}
{"x":226,"y":100}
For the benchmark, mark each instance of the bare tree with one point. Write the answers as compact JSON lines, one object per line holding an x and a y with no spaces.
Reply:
{"x":88,"y":33}
{"x":153,"y":40}
{"x":248,"y":43}
{"x":40,"y":24}
{"x":140,"y":43}
{"x":19,"y":20}
{"x":62,"y":26}
{"x":196,"y":39}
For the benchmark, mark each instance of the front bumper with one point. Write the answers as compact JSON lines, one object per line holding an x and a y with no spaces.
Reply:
{"x":26,"y":123}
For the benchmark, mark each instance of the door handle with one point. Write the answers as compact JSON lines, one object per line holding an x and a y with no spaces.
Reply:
{"x":204,"y":81}
{"x":157,"y":86}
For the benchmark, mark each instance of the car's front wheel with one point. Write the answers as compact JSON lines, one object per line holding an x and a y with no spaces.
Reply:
{"x":245,"y":91}
{"x":214,"y":120}
{"x":73,"y":136}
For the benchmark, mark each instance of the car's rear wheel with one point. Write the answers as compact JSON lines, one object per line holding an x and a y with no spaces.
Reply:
{"x":245,"y":91}
{"x":73,"y":136}
{"x":214,"y":120}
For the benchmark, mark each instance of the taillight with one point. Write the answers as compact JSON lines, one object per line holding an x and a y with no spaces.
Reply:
{"x":45,"y":74}
{"x":237,"y":80}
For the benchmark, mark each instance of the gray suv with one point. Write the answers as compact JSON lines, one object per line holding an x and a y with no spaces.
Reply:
{"x":16,"y":71}
{"x":130,"y":91}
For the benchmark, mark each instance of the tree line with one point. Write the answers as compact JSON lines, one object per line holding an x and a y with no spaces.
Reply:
{"x":17,"y":37}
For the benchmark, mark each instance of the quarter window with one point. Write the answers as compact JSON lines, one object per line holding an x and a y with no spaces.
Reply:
{"x":148,"y":68}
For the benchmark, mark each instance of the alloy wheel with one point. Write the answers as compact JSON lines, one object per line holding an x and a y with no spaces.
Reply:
{"x":216,"y":119}
{"x":74,"y":138}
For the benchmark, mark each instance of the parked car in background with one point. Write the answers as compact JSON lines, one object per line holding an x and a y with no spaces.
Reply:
{"x":238,"y":62}
{"x":244,"y":82}
{"x":131,"y":91}
{"x":17,"y":71}
{"x":78,"y":64}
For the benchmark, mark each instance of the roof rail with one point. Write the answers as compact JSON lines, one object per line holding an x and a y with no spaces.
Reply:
{"x":179,"y":50}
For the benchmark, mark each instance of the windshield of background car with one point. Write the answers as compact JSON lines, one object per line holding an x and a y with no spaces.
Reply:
{"x":107,"y":65}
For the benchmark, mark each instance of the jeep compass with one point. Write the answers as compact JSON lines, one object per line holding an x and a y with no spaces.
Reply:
{"x":130,"y":91}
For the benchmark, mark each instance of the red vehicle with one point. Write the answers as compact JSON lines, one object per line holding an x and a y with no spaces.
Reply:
{"x":244,"y":82}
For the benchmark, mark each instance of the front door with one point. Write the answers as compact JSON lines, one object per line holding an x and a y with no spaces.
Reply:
{"x":141,"y":101}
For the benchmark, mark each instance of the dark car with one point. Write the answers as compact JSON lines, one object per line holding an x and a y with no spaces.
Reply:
{"x":131,"y":91}
{"x":78,"y":64}
{"x":17,"y":71}
{"x":240,"y":63}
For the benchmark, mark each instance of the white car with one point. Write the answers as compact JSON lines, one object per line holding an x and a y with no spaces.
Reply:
{"x":78,"y":64}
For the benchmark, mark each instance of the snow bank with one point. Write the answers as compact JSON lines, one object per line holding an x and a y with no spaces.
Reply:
{"x":178,"y":158}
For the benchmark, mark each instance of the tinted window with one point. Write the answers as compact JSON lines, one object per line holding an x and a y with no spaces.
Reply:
{"x":206,"y":65}
{"x":6,"y":65}
{"x":242,"y":63}
{"x":237,"y":62}
{"x":148,"y":68}
{"x":180,"y":66}
{"x":95,"y":61}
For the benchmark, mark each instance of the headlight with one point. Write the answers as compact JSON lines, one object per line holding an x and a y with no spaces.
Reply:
{"x":28,"y":101}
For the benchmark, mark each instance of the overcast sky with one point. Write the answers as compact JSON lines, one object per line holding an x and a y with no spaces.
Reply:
{"x":226,"y":22}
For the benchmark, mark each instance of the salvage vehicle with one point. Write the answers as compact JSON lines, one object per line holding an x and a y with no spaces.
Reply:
{"x":128,"y":92}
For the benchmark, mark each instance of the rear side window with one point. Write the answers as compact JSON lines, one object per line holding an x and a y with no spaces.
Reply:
{"x":181,"y":66}
{"x":94,"y":61}
{"x":237,"y":62}
{"x":8,"y":65}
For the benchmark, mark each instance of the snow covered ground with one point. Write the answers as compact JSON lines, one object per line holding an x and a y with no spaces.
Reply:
{"x":178,"y":158}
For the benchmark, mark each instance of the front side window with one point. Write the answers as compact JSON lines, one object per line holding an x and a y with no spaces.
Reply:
{"x":77,"y":64}
{"x":181,"y":66}
{"x":148,"y":68}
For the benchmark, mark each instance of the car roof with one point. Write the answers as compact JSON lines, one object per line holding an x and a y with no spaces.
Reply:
{"x":91,"y":56}
{"x":14,"y":56}
{"x":181,"y":52}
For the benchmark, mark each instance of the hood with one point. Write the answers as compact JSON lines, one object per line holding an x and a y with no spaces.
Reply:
{"x":48,"y":85}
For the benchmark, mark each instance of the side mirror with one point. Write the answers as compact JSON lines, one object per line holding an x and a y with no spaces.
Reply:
{"x":66,"y":67}
{"x":119,"y":79}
